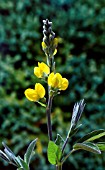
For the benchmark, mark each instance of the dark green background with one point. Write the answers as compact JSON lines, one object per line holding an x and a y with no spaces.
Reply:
{"x":80,"y":26}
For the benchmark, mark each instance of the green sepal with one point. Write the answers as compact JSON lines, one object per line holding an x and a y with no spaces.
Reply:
{"x":54,"y":153}
{"x":96,"y":134}
{"x":88,"y":146}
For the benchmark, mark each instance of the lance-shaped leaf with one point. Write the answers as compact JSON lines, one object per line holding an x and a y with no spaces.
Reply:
{"x":74,"y":131}
{"x":54,"y":153}
{"x":10,"y":155}
{"x":59,"y":140}
{"x":77,"y":112}
{"x":4,"y":156}
{"x":90,"y":147}
{"x":20,"y":168}
{"x":28,"y":154}
{"x":17,"y":160}
{"x":93,"y":135}
{"x":5,"y":146}
{"x":8,"y":152}
{"x":101,"y":146}
{"x":23,"y":164}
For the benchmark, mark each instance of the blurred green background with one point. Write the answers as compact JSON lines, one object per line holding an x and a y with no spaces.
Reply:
{"x":80,"y":27}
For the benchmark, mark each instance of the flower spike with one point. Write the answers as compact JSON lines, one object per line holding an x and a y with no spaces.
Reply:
{"x":49,"y":43}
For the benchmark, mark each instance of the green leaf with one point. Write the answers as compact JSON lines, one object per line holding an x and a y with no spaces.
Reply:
{"x":101,"y":145}
{"x":88,"y":146}
{"x":74,"y":131}
{"x":28,"y":154}
{"x":17,"y":161}
{"x":4,"y":156}
{"x":23,"y":164}
{"x":11,"y":156}
{"x":54,"y":153}
{"x":8,"y":149}
{"x":59,"y":154}
{"x":92,"y":136}
{"x":20,"y":168}
{"x":59,"y":140}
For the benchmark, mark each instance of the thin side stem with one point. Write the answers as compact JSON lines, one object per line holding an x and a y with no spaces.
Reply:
{"x":48,"y":113}
{"x":68,"y":155}
{"x":65,"y":143}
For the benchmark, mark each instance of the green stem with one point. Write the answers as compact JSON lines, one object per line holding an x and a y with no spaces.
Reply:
{"x":49,"y":105}
{"x":59,"y":167}
{"x":48,"y":113}
{"x":66,"y":141}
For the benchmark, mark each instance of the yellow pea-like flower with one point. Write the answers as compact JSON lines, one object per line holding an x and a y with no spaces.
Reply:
{"x":64,"y":84}
{"x":41,"y":69}
{"x":40,"y":90}
{"x":56,"y":81}
{"x":31,"y":94}
{"x":35,"y":94}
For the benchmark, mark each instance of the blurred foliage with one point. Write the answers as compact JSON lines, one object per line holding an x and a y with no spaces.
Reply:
{"x":80,"y":27}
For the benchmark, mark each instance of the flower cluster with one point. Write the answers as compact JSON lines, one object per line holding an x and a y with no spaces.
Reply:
{"x":47,"y":71}
{"x":55,"y":81}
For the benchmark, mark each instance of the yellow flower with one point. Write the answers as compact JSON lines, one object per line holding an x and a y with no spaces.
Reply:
{"x":35,"y":94}
{"x":56,"y":81}
{"x":41,"y":69}
{"x":44,"y":46}
{"x":64,"y":84}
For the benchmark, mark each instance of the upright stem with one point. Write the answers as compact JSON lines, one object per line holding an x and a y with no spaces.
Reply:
{"x":49,"y":105}
{"x":48,"y":113}
{"x":59,"y":167}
